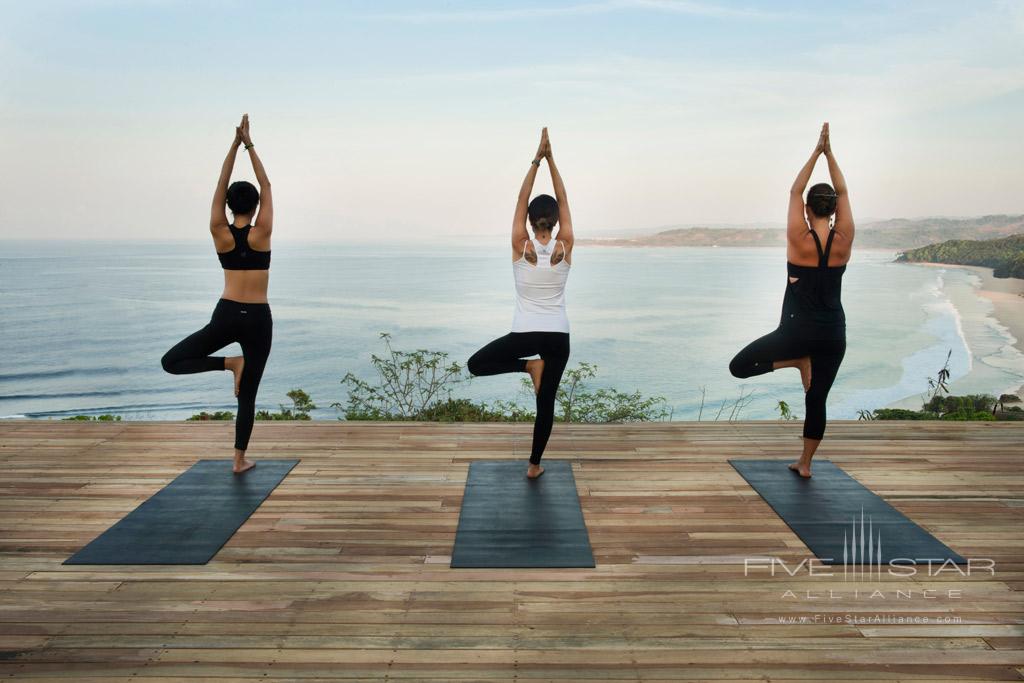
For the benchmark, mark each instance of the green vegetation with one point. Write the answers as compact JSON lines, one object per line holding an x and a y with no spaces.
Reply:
{"x":92,"y":418}
{"x":577,"y":402}
{"x":973,"y":407}
{"x":785,"y":412}
{"x":217,"y":415}
{"x":409,"y":384}
{"x":1004,"y":256}
{"x":465,"y":410}
{"x":419,"y":386}
{"x":302,"y":404}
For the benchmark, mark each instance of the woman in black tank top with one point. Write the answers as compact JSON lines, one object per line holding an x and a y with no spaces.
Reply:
{"x":242,"y":315}
{"x":812,"y":329}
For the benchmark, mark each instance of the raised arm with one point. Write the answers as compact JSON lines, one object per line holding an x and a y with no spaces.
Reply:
{"x":218,"y":209}
{"x":519,"y":232}
{"x":844,"y":214}
{"x":796,"y":222}
{"x":565,"y":233}
{"x":264,"y":220}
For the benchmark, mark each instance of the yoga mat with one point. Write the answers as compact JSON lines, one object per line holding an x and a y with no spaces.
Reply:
{"x":510,"y":521}
{"x":190,"y":519}
{"x":841,"y":521}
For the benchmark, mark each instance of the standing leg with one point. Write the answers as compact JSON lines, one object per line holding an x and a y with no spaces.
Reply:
{"x":825,"y":361}
{"x":555,"y":354}
{"x":256,"y":340}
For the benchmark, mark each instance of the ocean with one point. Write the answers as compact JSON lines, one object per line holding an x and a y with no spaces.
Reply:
{"x":85,"y":324}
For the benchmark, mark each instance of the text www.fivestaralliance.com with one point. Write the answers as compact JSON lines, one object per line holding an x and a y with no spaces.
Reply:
{"x":868,"y":619}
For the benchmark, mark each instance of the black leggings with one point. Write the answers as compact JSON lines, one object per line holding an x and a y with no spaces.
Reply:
{"x":826,"y":355}
{"x":252,"y":327}
{"x":508,"y":354}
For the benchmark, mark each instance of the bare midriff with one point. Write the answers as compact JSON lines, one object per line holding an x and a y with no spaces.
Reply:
{"x":246,"y":286}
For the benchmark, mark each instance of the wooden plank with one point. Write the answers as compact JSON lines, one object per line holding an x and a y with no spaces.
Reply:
{"x":342,"y":572}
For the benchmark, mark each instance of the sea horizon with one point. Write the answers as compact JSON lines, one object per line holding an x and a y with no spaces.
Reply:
{"x":661,"y":321}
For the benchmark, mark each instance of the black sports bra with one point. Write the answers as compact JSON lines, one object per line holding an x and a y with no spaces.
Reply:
{"x":243,"y":257}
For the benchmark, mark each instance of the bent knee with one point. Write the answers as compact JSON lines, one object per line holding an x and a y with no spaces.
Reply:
{"x":168,"y":363}
{"x":739,"y":370}
{"x":473,"y":365}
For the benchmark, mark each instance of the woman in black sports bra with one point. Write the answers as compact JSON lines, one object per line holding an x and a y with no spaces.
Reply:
{"x":242,"y":315}
{"x":812,"y":331}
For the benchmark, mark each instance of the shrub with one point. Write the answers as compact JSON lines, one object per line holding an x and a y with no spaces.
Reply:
{"x":407,"y":384}
{"x":217,"y":415}
{"x":902,"y":414}
{"x":950,"y":404}
{"x":418,"y":385}
{"x":982,"y":415}
{"x":93,"y":418}
{"x":302,"y":404}
{"x":580,"y":403}
{"x":465,"y":410}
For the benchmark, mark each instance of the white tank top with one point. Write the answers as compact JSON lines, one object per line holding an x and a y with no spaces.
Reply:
{"x":540,"y":291}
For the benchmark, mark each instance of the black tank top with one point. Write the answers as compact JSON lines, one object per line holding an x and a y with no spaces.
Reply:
{"x":243,"y":257}
{"x":813,"y":306}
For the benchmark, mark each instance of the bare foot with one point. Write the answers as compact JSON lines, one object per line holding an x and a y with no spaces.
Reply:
{"x":534,"y":471}
{"x":536,"y":368}
{"x":804,"y":366}
{"x":235,"y":364}
{"x":243,"y":465}
{"x":801,"y":469}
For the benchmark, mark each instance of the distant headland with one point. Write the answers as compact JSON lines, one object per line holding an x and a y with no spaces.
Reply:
{"x":898,"y":234}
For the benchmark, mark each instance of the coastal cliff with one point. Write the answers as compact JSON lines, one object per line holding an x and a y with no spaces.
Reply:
{"x":1005,"y":256}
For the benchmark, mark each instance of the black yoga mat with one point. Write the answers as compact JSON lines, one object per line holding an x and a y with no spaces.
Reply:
{"x":842,"y":522}
{"x":510,"y":521}
{"x":190,"y":519}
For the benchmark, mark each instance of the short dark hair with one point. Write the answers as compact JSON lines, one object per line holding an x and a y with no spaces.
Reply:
{"x":543,"y":212}
{"x":243,"y":197}
{"x":821,"y":200}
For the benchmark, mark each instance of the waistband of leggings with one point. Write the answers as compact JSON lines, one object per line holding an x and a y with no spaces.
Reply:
{"x":238,"y":306}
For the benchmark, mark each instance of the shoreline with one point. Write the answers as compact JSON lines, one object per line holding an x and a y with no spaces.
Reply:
{"x":1006,"y":295}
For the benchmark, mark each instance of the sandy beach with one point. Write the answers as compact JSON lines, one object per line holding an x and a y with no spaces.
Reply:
{"x":1007,"y":297}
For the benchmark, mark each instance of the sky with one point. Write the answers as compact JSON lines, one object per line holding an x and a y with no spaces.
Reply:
{"x":416,"y":120}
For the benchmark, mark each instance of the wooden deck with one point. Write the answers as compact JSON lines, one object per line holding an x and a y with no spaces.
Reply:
{"x":343,"y":572}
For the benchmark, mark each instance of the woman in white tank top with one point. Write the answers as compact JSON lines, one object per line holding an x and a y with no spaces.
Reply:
{"x":540,"y":326}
